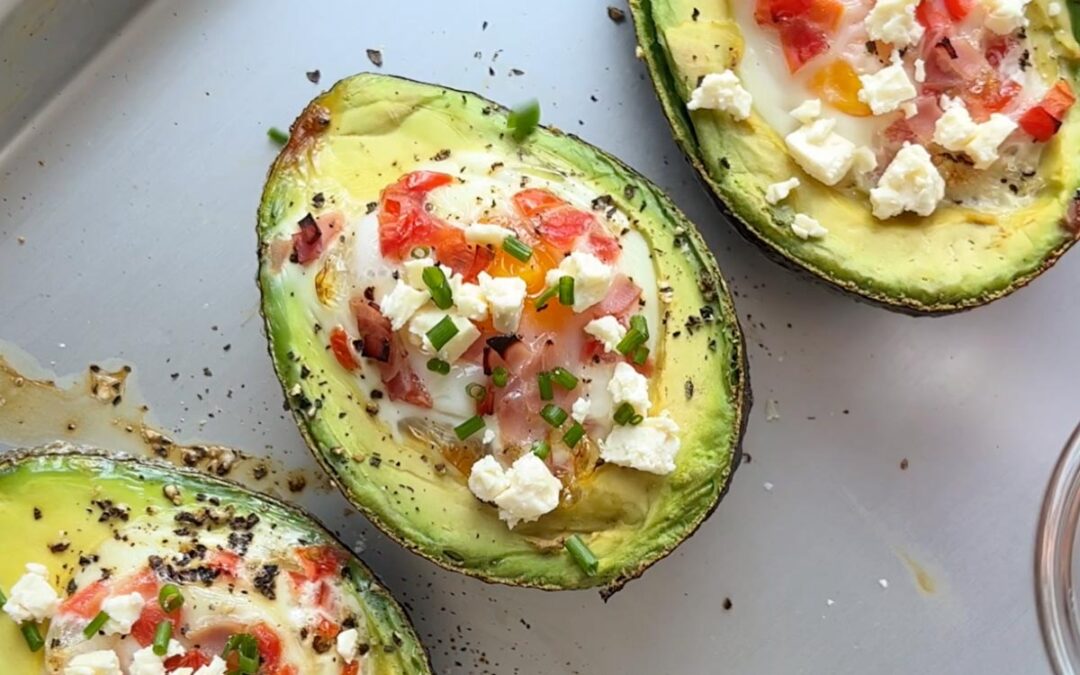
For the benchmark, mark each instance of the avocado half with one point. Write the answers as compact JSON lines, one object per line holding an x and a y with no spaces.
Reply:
{"x":345,"y":147}
{"x":74,"y":509}
{"x":957,"y":259}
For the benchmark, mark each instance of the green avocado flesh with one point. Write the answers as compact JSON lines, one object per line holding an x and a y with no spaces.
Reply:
{"x":369,"y":130}
{"x":959,"y":257}
{"x":113,"y":515}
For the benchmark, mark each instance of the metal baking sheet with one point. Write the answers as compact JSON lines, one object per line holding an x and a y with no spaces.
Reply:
{"x":132,"y":151}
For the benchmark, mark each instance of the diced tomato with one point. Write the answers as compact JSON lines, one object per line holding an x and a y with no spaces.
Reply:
{"x":802,"y":41}
{"x":86,"y":602}
{"x":932,"y":15}
{"x":602,"y":245}
{"x":989,"y":95}
{"x":562,"y":226}
{"x":193,"y":659}
{"x":804,"y":26}
{"x":534,"y":201}
{"x":269,"y":646}
{"x":1043,"y":120}
{"x":146,"y":625}
{"x":959,"y":9}
{"x":339,"y":344}
{"x":319,"y":562}
{"x":225,"y":562}
{"x":351,"y":668}
{"x":425,"y":181}
{"x":821,"y":12}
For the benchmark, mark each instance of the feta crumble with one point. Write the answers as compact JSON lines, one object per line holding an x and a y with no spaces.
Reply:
{"x":607,"y":330}
{"x":1053,"y":9}
{"x":724,"y":92}
{"x":31,"y":597}
{"x":894,"y":21}
{"x":505,"y":296}
{"x":808,"y":111}
{"x":1005,"y":16}
{"x":101,"y":662}
{"x":629,"y":386}
{"x":887,"y":89}
{"x":650,"y":446}
{"x":468,"y":298}
{"x":592,"y":278}
{"x":778,"y":192}
{"x":348,"y":643}
{"x":146,"y":662}
{"x":425,"y":320}
{"x":580,"y":410}
{"x":487,"y":479}
{"x":806,"y":227}
{"x":123,"y":611}
{"x":910,"y":183}
{"x":957,"y":132}
{"x":401,"y":303}
{"x":216,"y":667}
{"x":523,"y":493}
{"x":486,"y":233}
{"x":821,"y":152}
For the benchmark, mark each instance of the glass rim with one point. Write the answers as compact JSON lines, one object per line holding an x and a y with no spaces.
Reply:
{"x":1054,"y":548}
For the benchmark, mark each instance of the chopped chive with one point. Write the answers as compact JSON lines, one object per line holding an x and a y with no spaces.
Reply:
{"x":566,"y":291}
{"x":170,"y":598}
{"x":634,"y":338}
{"x":469,"y":427}
{"x":95,"y":624}
{"x":162,"y":635}
{"x":517,"y":248}
{"x":553,"y":414}
{"x":547,"y":392}
{"x":277,"y":135}
{"x":541,"y":449}
{"x":3,"y":598}
{"x":574,"y":434}
{"x":476,"y":391}
{"x":523,"y":120}
{"x":636,"y":420}
{"x":32,"y":634}
{"x":420,"y":252}
{"x":442,"y":332}
{"x":641,"y":355}
{"x":438,"y":366}
{"x":247,"y":653}
{"x":542,"y":299}
{"x":564,"y":378}
{"x":500,"y":376}
{"x":624,"y":413}
{"x":435,"y":279}
{"x":639,"y":322}
{"x":581,"y":554}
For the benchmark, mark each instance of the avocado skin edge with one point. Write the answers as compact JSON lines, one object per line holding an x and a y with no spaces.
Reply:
{"x":739,"y":369}
{"x":672,"y":106}
{"x":60,"y":450}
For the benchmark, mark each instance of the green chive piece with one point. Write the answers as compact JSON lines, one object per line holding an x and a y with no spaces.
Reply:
{"x":95,"y":624}
{"x":547,"y":392}
{"x":541,"y":449}
{"x":564,"y":378}
{"x":442,"y":332}
{"x":542,"y":299}
{"x":170,"y":598}
{"x":553,"y":414}
{"x":574,"y":434}
{"x":581,"y":554}
{"x":247,"y":652}
{"x":634,"y":338}
{"x":435,"y":279}
{"x":641,"y":355}
{"x":420,"y":252}
{"x":477,"y":392}
{"x":639,"y":322}
{"x":523,"y":120}
{"x":32,"y":634}
{"x":162,"y":635}
{"x":277,"y":135}
{"x":3,"y":598}
{"x":438,"y":366}
{"x":469,"y":427}
{"x":517,"y":248}
{"x":500,"y":376}
{"x":623,"y":414}
{"x":636,"y":420}
{"x":566,"y":291}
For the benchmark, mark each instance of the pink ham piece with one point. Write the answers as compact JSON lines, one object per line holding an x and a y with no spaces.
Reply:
{"x":314,"y":236}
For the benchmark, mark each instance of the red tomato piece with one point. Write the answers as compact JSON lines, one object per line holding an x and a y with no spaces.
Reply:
{"x":603,"y":245}
{"x":86,"y":602}
{"x":932,"y":15}
{"x":1043,"y":120}
{"x":425,"y":181}
{"x":959,"y":9}
{"x":562,"y":226}
{"x":144,"y":628}
{"x":320,"y":562}
{"x":339,"y":344}
{"x":352,"y":668}
{"x":804,"y":26}
{"x":193,"y":659}
{"x":403,"y":222}
{"x":534,"y":201}
{"x":269,"y":647}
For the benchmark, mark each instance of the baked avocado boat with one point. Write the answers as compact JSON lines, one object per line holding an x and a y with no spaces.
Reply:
{"x":115,"y":565}
{"x":516,"y":357}
{"x":917,"y":153}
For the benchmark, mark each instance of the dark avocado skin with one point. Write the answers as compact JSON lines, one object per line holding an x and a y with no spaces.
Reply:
{"x":679,"y":121}
{"x":711,"y":285}
{"x":387,"y":616}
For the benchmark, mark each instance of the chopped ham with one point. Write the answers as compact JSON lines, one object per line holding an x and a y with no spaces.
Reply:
{"x":375,"y":331}
{"x":621,"y":300}
{"x":401,"y":381}
{"x":314,"y":236}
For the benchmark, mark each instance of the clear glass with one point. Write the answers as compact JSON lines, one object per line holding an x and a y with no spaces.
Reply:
{"x":1056,"y":557}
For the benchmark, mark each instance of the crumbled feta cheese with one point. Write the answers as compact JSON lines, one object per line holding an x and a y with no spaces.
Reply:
{"x":722,"y":91}
{"x":957,"y":132}
{"x":1053,"y":9}
{"x":486,"y":233}
{"x":910,"y":109}
{"x":887,"y":89}
{"x":1005,"y":16}
{"x":532,"y":491}
{"x":123,"y":611}
{"x":894,"y":21}
{"x":414,"y":272}
{"x":629,"y":386}
{"x":505,"y":296}
{"x":910,"y":183}
{"x":101,"y":662}
{"x":146,"y":662}
{"x":865,"y":160}
{"x":348,"y":643}
{"x":580,"y":410}
{"x":487,"y":479}
{"x":650,"y":446}
{"x":592,"y":278}
{"x":806,"y":227}
{"x":778,"y":192}
{"x":31,"y":597}
{"x":489,"y":437}
{"x":920,"y":70}
{"x":401,"y":303}
{"x":215,"y":667}
{"x":607,"y":330}
{"x":821,"y":152}
{"x":808,"y":111}
{"x":425,"y":320}
{"x":468,"y":298}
